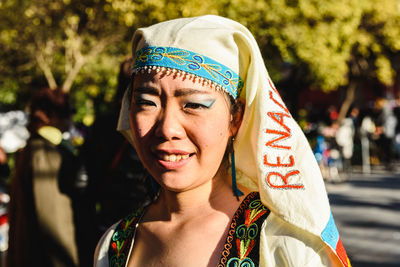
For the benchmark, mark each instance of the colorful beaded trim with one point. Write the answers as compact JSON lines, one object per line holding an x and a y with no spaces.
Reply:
{"x":121,"y":240}
{"x":243,"y":241}
{"x":179,"y":60}
{"x":241,"y":246}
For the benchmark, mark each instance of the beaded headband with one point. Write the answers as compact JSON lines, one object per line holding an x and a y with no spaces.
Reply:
{"x":196,"y":66}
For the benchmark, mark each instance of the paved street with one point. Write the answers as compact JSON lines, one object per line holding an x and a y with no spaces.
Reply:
{"x":366,"y":209}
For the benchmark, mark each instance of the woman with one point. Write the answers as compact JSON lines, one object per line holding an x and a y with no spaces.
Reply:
{"x":200,"y":97}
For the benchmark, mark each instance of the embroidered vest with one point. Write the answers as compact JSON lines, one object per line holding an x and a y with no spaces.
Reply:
{"x":241,"y":245}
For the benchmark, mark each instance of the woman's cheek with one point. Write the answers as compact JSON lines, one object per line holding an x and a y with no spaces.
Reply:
{"x":216,"y":139}
{"x":142,"y":126}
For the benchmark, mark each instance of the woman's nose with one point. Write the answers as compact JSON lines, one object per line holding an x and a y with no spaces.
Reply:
{"x":169,"y":125}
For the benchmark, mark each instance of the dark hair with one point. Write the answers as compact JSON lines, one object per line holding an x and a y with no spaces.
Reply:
{"x":124,"y":78}
{"x":50,"y":102}
{"x":235,"y":107}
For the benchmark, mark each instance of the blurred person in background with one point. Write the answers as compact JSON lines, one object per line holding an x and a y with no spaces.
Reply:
{"x":4,"y":175}
{"x":333,"y":114}
{"x":367,"y":130}
{"x":4,"y":199}
{"x":42,"y":230}
{"x":4,"y":168}
{"x":396,"y":113}
{"x":345,"y":140}
{"x":385,"y":122}
{"x":333,"y":160}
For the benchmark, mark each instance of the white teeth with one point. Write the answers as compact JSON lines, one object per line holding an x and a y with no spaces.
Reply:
{"x":174,"y":157}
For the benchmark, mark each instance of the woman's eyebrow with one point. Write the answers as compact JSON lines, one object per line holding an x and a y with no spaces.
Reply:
{"x":146,"y":90}
{"x":190,"y":91}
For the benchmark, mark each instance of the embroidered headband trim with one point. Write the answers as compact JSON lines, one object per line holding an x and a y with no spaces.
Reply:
{"x":176,"y":59}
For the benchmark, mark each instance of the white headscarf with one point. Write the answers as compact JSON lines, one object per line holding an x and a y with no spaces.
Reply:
{"x":272,"y":154}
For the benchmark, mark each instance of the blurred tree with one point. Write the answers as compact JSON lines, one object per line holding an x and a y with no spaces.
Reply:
{"x":75,"y":44}
{"x":55,"y":43}
{"x":78,"y":44}
{"x":324,"y":44}
{"x":315,"y":35}
{"x":376,"y":51}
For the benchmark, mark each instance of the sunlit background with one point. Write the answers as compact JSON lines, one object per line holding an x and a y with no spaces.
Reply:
{"x":333,"y":61}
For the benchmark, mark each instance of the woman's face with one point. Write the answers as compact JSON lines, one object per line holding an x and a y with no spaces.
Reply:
{"x":181,"y":129}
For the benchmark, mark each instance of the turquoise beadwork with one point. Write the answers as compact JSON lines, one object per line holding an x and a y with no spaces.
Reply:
{"x":191,"y":63}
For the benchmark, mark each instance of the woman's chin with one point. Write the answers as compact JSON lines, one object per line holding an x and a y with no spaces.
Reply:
{"x":176,"y":187}
{"x":179,"y":186}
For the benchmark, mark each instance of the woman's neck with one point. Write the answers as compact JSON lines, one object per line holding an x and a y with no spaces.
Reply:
{"x":213,"y":196}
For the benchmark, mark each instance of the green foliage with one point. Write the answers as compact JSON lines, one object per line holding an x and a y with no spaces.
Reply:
{"x":75,"y":44}
{"x":314,"y":34}
{"x":70,"y":44}
{"x":378,"y":40}
{"x":8,"y":92}
{"x":79,"y":44}
{"x":326,"y":39}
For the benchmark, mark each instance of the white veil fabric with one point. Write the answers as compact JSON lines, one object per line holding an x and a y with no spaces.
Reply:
{"x":272,"y":153}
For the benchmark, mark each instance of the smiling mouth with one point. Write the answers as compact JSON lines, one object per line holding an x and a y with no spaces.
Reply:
{"x":174,"y":157}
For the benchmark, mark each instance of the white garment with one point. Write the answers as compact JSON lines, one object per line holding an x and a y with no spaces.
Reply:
{"x":272,"y":154}
{"x":292,"y":247}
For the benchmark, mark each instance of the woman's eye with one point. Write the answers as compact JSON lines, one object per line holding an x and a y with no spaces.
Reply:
{"x":203,"y":104}
{"x":144,"y":102}
{"x":195,"y":106}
